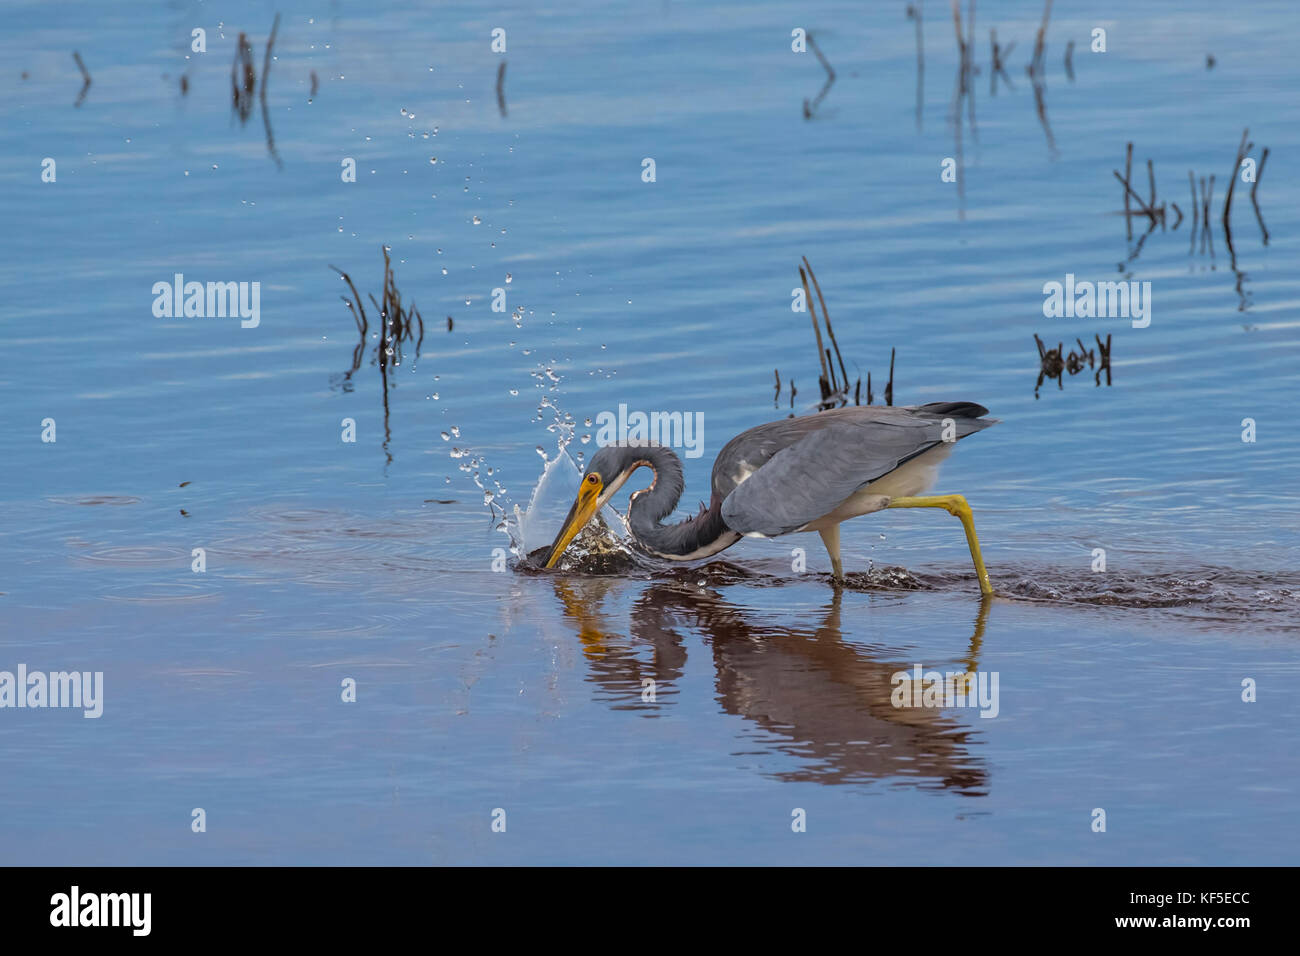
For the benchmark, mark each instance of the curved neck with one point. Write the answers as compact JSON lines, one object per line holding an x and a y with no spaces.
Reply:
{"x":697,"y":537}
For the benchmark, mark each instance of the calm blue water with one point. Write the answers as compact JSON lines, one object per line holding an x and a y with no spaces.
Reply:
{"x":378,"y":560}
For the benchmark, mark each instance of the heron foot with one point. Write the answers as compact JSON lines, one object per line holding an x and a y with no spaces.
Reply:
{"x":956,"y":506}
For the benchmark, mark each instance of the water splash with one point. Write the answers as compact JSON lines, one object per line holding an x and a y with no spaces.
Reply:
{"x":532,"y":530}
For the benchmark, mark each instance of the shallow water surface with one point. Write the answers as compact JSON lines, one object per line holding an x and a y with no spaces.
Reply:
{"x":624,"y":711}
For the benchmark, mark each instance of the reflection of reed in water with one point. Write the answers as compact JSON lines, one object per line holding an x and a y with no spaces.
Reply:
{"x":1038,"y":78}
{"x":243,"y":84}
{"x":243,"y":79}
{"x":85,"y":78}
{"x":815,"y":697}
{"x":964,"y":91}
{"x":916,"y":14}
{"x":810,"y":107}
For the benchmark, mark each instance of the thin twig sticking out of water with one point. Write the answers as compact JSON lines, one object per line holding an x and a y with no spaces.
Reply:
{"x":396,"y":318}
{"x":817,"y":330}
{"x":358,"y":311}
{"x":1202,"y":200}
{"x":835,"y":390}
{"x":826,"y":316}
{"x":1200,"y":214}
{"x":1155,"y":214}
{"x":831,"y":390}
{"x":501,"y":88}
{"x":398,"y":324}
{"x":1243,"y":150}
{"x":889,"y":386}
{"x":1207,"y":197}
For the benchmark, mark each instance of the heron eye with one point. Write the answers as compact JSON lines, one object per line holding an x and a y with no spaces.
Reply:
{"x":592,"y":479}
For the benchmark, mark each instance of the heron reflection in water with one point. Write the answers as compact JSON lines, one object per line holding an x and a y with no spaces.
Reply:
{"x":797,"y":474}
{"x":816,"y":697}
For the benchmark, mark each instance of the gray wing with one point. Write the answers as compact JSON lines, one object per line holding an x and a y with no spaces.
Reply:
{"x":778,"y":477}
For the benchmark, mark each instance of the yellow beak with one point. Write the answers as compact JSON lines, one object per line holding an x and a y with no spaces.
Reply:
{"x":584,"y":506}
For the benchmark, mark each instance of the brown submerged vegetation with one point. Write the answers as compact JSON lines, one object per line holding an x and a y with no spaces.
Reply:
{"x":1055,"y":363}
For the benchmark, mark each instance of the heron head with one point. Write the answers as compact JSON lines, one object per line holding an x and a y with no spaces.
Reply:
{"x":607,"y":471}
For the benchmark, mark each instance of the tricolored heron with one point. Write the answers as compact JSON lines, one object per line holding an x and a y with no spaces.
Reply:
{"x":797,"y":474}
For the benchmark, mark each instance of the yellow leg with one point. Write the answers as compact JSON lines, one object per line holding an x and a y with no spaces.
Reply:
{"x":831,"y":538}
{"x":954,"y":505}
